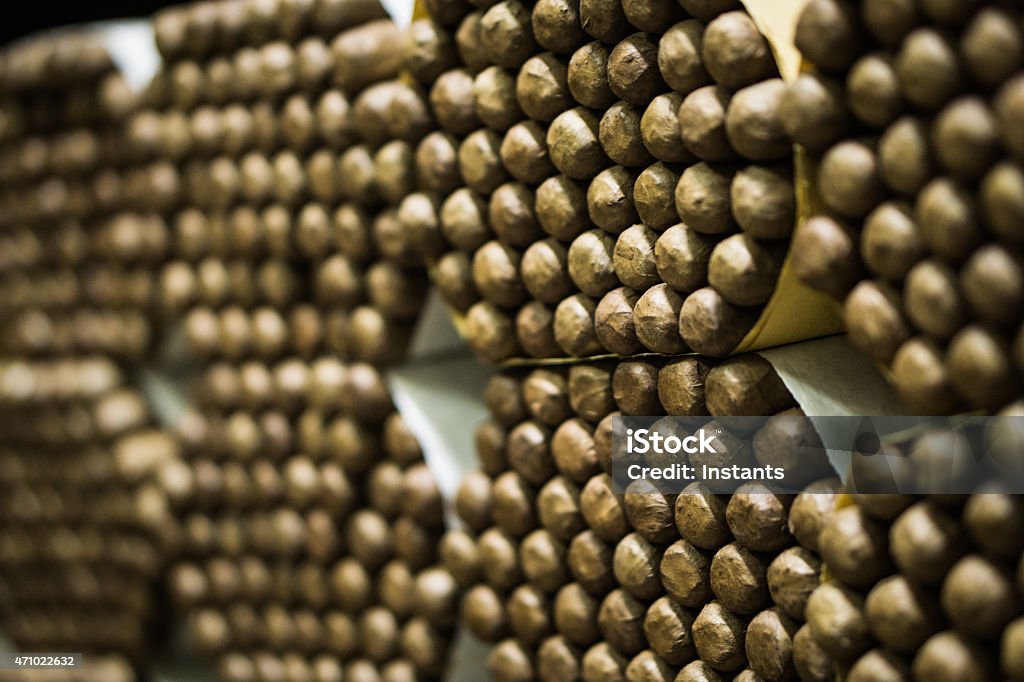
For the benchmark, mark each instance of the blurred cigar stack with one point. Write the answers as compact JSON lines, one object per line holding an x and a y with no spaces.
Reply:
{"x":922,"y":587}
{"x":85,"y":533}
{"x":626,"y":182}
{"x":310,"y":521}
{"x":571,"y":580}
{"x":84,"y":530}
{"x":77,"y":235}
{"x":279,"y":116}
{"x":914,"y":114}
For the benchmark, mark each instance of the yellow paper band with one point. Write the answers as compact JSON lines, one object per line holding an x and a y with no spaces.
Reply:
{"x":795,"y":312}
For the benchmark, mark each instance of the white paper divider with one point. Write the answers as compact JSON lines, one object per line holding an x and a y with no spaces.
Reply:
{"x":434,"y":333}
{"x":441,"y":399}
{"x":400,"y":11}
{"x":132,"y":48}
{"x":439,"y":390}
{"x":830,"y":378}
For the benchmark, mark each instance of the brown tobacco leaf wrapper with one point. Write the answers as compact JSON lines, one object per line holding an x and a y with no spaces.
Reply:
{"x":542,"y":87}
{"x":679,"y":57}
{"x":366,"y":54}
{"x":557,"y":26}
{"x":588,"y":76}
{"x":614,"y":324}
{"x":719,"y":638}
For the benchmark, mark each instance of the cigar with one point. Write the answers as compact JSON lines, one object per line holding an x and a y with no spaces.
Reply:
{"x":621,"y":137}
{"x":436,"y":163}
{"x":542,"y":557}
{"x":602,"y":510}
{"x":574,"y":145}
{"x":542,"y":86}
{"x":489,"y":441}
{"x":889,"y":23}
{"x":947,"y":216}
{"x":813,"y":112}
{"x":656,"y":316}
{"x":574,"y":326}
{"x":810,"y":660}
{"x":587,"y":76}
{"x":718,"y":637}
{"x":633,"y":73}
{"x":879,"y":662}
{"x":558,"y":508}
{"x":994,"y":269}
{"x":792,"y":577}
{"x":468,"y":41}
{"x":614,"y":324}
{"x":366,"y":54}
{"x":511,"y":507}
{"x":484,"y":613}
{"x":590,"y":391}
{"x":636,"y":566}
{"x":610,"y":199}
{"x":895,"y":598}
{"x":511,"y":214}
{"x":836,"y":619}
{"x":927,"y":64}
{"x":393,"y":172}
{"x":603,"y":20}
{"x":498,"y":559}
{"x":557,"y":659}
{"x":536,"y":330}
{"x":507,"y":34}
{"x":590,"y":561}
{"x":850,"y":531}
{"x":738,"y":579}
{"x":491,"y":332}
{"x":504,"y":399}
{"x":574,"y":451}
{"x":575,"y":615}
{"x":480,"y":161}
{"x":620,"y":620}
{"x":458,"y":554}
{"x":602,"y":661}
{"x":770,"y":643}
{"x":982,"y":354}
{"x":510,"y":660}
{"x":875,"y":320}
{"x":429,"y":50}
{"x":874,"y":93}
{"x":789,"y":433}
{"x":452,"y":102}
{"x":529,"y":614}
{"x":494,"y":91}
{"x":357,"y":164}
{"x":922,"y":542}
{"x":635,"y":388}
{"x":557,"y":26}
{"x":561,"y":208}
{"x":849,"y":179}
{"x":544,"y":271}
{"x":891,"y":243}
{"x":654,"y":192}
{"x":545,"y":394}
{"x":829,"y":34}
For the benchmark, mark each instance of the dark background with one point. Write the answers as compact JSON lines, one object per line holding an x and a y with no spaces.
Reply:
{"x":22,"y":17}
